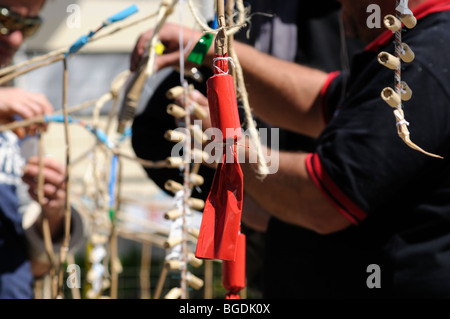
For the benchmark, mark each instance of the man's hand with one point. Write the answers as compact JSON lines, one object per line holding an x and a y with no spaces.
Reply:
{"x":54,"y":190}
{"x":197,"y":97}
{"x":169,"y":35}
{"x":17,"y":102}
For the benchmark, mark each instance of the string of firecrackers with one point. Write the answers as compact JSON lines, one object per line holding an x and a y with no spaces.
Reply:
{"x":177,"y":256}
{"x":175,"y":241}
{"x":230,"y":30}
{"x":403,"y":53}
{"x":219,"y":235}
{"x":180,"y":225}
{"x":234,"y":272}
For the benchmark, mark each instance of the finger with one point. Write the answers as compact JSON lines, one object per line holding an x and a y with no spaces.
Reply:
{"x":198,"y":97}
{"x":20,"y":132}
{"x":48,"y":162}
{"x":33,"y":195}
{"x":54,"y":205}
{"x":34,"y":107}
{"x":50,"y":191}
{"x":32,"y":104}
{"x":139,"y":50}
{"x":194,"y":96}
{"x":50,"y":175}
{"x":42,"y":103}
{"x":53,"y":192}
{"x":136,"y":57}
{"x":167,"y":59}
{"x":20,"y":109}
{"x":30,"y":181}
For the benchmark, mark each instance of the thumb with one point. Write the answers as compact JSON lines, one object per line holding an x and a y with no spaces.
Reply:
{"x":20,"y":132}
{"x":167,"y":59}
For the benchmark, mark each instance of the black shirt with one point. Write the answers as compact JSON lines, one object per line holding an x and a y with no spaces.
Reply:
{"x":397,"y":197}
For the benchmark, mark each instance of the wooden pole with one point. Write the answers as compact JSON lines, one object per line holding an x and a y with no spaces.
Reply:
{"x":221,"y":43}
{"x":145,"y":273}
{"x":67,"y":216}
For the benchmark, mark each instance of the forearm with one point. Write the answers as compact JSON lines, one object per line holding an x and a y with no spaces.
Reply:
{"x":36,"y":243}
{"x":282,"y":93}
{"x":253,"y":215}
{"x":292,"y":197}
{"x":55,"y":218}
{"x":55,"y":224}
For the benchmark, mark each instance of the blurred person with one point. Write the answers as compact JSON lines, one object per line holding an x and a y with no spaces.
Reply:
{"x":22,"y":250}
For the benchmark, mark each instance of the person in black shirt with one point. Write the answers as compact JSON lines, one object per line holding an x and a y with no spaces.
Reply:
{"x":303,"y":33}
{"x":375,"y":211}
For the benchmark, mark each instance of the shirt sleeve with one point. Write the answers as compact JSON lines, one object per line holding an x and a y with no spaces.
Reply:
{"x":360,"y":164}
{"x":331,"y":94}
{"x":36,"y":244}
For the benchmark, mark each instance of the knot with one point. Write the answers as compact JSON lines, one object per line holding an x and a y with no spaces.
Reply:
{"x":229,"y":59}
{"x":228,"y":29}
{"x":403,"y":122}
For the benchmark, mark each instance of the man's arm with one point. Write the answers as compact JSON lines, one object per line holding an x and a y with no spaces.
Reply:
{"x":53,"y":208}
{"x":253,"y":215}
{"x":291,"y":196}
{"x":54,"y":192}
{"x":281,"y":93}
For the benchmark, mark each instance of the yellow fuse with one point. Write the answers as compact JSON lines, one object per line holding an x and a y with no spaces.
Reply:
{"x":159,"y":48}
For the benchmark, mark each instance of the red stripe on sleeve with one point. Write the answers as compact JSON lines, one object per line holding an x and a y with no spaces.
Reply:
{"x":323,"y":93}
{"x":339,"y":200}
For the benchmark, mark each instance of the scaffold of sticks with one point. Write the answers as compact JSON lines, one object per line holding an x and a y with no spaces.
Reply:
{"x":101,"y":202}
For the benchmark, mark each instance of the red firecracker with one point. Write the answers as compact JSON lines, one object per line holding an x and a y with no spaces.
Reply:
{"x":222,"y":214}
{"x":233,"y":272}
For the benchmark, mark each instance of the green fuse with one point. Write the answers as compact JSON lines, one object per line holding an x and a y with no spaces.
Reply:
{"x":201,"y":48}
{"x":112,"y":214}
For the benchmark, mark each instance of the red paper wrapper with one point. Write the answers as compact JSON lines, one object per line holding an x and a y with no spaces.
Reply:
{"x":223,"y":106}
{"x":233,"y":272}
{"x":222,"y":214}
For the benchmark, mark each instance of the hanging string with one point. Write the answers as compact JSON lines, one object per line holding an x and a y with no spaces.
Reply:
{"x":187,"y":166}
{"x":67,"y":215}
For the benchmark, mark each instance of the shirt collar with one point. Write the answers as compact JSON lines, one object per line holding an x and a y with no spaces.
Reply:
{"x":421,"y":11}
